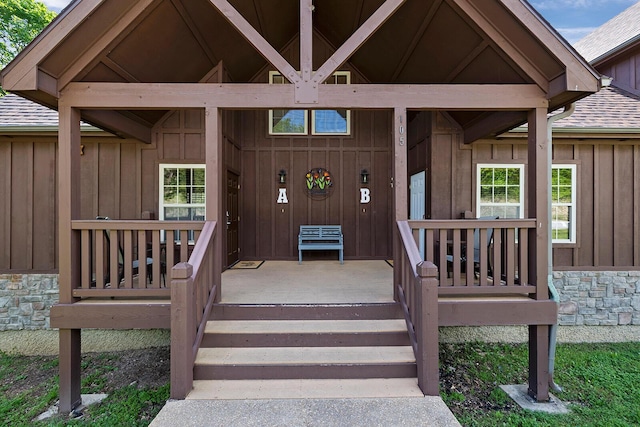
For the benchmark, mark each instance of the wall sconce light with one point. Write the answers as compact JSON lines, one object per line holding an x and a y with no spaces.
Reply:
{"x":364,"y":176}
{"x":282,"y":176}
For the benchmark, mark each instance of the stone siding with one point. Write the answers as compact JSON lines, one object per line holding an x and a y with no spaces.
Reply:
{"x":26,"y":300}
{"x":598,"y":298}
{"x":587,"y":298}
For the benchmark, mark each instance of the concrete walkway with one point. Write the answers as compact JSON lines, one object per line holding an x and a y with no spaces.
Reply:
{"x":417,"y":411}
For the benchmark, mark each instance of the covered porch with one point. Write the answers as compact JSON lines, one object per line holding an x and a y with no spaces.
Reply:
{"x":505,"y":67}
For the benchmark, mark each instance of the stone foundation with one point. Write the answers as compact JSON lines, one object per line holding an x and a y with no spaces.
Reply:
{"x":26,"y":300}
{"x":587,"y":298}
{"x":598,"y":298}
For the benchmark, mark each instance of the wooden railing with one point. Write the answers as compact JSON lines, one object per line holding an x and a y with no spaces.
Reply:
{"x":496,"y":265}
{"x":114,"y":253}
{"x":418,"y":295}
{"x":193,"y":291}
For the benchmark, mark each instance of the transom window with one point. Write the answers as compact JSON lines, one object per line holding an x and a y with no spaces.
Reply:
{"x":323,"y":122}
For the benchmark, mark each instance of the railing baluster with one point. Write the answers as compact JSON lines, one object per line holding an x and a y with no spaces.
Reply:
{"x":85,"y":254}
{"x":100,"y":254}
{"x":156,"y":254}
{"x":113,"y":259}
{"x":456,"y":257}
{"x":128,"y":259}
{"x":142,"y":259}
{"x":497,"y":257}
{"x":442,"y":258}
{"x":523,"y":271}
{"x":470,"y":256}
{"x":184,"y":245}
{"x":484,"y":256}
{"x":511,"y":255}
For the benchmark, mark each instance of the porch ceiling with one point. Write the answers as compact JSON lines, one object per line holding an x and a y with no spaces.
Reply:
{"x":424,"y":42}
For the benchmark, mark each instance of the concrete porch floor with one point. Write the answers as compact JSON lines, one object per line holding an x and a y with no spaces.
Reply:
{"x":312,"y":282}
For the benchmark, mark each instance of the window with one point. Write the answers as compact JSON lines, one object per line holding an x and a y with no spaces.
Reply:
{"x":324,"y":122}
{"x":563,"y":202}
{"x":333,"y":122}
{"x":182,"y":192}
{"x":286,"y":122}
{"x":501,"y":191}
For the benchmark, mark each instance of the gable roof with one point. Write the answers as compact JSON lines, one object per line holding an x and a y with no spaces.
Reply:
{"x":613,"y":36}
{"x":183,"y":41}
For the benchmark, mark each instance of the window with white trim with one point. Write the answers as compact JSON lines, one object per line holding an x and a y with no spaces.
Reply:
{"x":500,"y":190}
{"x":332,"y":122}
{"x":563,"y":203}
{"x":323,"y":122}
{"x":182,"y":192}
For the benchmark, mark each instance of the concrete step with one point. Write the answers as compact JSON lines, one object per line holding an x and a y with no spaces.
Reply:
{"x":306,"y":311}
{"x":305,"y":333}
{"x":305,"y":362}
{"x":306,"y":389}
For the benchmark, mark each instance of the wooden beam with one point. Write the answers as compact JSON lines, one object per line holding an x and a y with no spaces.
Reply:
{"x":256,"y":40}
{"x":216,"y":185}
{"x":118,"y":124}
{"x":539,"y":187}
{"x":113,"y":314}
{"x":400,"y":186}
{"x":502,"y":41}
{"x":69,"y":250}
{"x":493,"y":123}
{"x":306,"y":39}
{"x":357,"y":39}
{"x":484,"y":97}
{"x":13,"y":76}
{"x":465,"y":311}
{"x":94,"y":50}
{"x":583,"y":77}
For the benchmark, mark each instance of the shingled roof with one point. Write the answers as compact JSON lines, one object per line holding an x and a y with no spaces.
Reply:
{"x":610,"y":108}
{"x":614,"y":35}
{"x":17,"y":113}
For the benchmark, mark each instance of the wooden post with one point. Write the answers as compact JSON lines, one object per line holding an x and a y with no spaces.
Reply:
{"x":400,"y":187}
{"x":427,"y":334}
{"x":539,"y":186}
{"x":69,"y":251}
{"x":183,"y":329}
{"x":215,"y":187}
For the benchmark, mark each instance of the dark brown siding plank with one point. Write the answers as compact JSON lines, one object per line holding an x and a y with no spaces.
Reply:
{"x":44,"y":204}
{"x":623,"y":205}
{"x":5,"y":206}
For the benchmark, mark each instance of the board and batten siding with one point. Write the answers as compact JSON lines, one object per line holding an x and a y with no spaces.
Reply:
{"x":27,"y":210}
{"x":607,"y":202}
{"x":269,"y":230}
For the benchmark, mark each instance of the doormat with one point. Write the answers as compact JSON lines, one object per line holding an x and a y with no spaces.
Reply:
{"x":246,"y":265}
{"x":389,"y":261}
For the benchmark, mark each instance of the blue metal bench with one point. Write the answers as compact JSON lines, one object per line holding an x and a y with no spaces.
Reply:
{"x":320,"y":237}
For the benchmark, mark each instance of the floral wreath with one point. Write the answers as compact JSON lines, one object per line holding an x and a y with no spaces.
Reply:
{"x":318,"y":182}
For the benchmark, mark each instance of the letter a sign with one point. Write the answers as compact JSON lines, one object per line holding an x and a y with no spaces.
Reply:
{"x":282,"y":196}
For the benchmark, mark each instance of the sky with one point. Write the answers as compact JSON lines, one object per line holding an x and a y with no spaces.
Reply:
{"x":573,"y":19}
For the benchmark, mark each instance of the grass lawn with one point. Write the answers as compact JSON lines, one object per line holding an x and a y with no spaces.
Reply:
{"x":601,"y":385}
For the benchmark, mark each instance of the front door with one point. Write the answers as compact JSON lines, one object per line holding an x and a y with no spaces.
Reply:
{"x":233,"y":218}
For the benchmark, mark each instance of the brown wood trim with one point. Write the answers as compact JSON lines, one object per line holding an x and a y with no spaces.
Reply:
{"x":255,"y":39}
{"x":122,"y":293}
{"x":596,"y":268}
{"x":117,"y":224}
{"x":467,"y":312}
{"x":22,"y":271}
{"x":112,"y":314}
{"x":488,"y":290}
{"x":489,"y":97}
